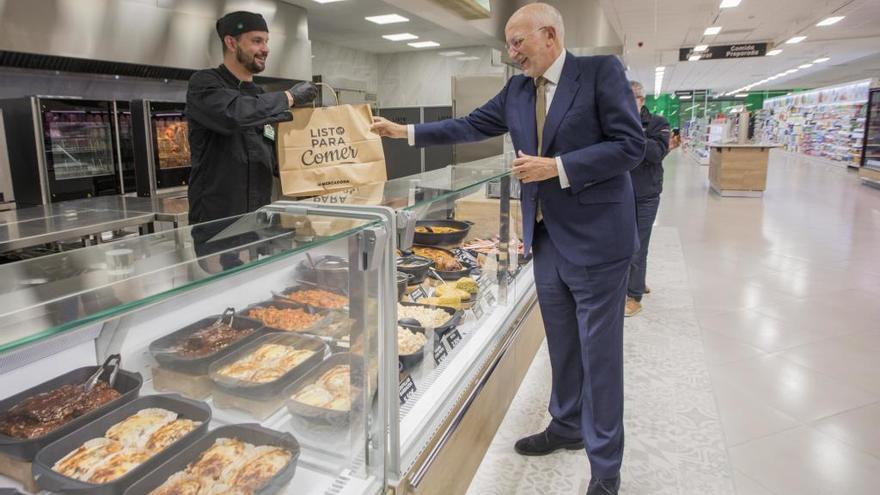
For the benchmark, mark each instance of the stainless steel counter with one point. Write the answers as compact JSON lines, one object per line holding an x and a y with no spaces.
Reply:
{"x":70,"y":225}
{"x":166,"y":209}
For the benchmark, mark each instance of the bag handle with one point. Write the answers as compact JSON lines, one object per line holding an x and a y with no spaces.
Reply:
{"x":335,"y":93}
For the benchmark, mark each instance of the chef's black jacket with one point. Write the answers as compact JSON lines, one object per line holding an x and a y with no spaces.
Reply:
{"x":233,"y":163}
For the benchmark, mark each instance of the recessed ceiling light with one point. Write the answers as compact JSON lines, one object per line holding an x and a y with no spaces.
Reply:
{"x":701,"y":48}
{"x":451,"y":54}
{"x":820,"y":60}
{"x":795,"y":39}
{"x":693,"y":58}
{"x":831,"y":20}
{"x":327,"y":1}
{"x":773,"y":53}
{"x":729,"y":4}
{"x":711,"y":31}
{"x":386,"y":19}
{"x":423,"y":44}
{"x":468,"y":58}
{"x":400,"y":37}
{"x":659,"y":69}
{"x":805,"y":66}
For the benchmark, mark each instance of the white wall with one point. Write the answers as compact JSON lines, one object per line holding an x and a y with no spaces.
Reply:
{"x":408,"y":79}
{"x":424,"y":78}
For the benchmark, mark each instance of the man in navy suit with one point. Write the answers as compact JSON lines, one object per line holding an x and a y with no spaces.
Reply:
{"x":575,"y":125}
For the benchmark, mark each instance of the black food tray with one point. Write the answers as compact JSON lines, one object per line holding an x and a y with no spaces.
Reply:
{"x":282,"y":296}
{"x":270,"y":390}
{"x":282,"y":303}
{"x":53,"y":481}
{"x":410,"y":360}
{"x":161,"y":349}
{"x":250,"y":433}
{"x":450,"y":274}
{"x":419,"y":273}
{"x":128,"y":384}
{"x":321,"y":414}
{"x":455,"y":316}
{"x":446,"y":239}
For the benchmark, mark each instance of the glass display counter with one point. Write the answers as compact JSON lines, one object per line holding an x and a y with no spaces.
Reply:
{"x":356,"y":329}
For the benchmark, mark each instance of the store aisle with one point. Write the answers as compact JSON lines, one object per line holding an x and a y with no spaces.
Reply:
{"x":764,"y":315}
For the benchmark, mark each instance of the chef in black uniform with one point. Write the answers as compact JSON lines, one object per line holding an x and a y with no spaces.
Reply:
{"x":230,"y":123}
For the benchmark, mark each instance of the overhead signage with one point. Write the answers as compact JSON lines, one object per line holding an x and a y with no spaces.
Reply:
{"x":721,"y":52}
{"x":689,"y":92}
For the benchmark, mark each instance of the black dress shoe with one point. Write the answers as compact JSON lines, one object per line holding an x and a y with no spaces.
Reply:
{"x":604,"y":487}
{"x":545,"y":443}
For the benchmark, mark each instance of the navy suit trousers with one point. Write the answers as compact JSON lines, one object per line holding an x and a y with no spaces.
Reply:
{"x":582,"y":308}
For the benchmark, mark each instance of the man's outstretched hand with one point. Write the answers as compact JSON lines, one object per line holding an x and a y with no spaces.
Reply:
{"x":534,"y":168}
{"x":386,"y":128}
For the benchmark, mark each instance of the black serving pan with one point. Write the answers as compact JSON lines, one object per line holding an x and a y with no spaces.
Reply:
{"x":410,"y":360}
{"x":455,"y":316}
{"x":283,"y":296}
{"x":249,"y":432}
{"x":325,"y":271}
{"x":270,"y":390}
{"x":128,"y":384}
{"x":444,"y":239}
{"x":282,"y":303}
{"x":450,"y":274}
{"x":403,"y":280}
{"x":419,"y":269}
{"x":163,"y":349}
{"x":320,"y":414}
{"x":53,"y":481}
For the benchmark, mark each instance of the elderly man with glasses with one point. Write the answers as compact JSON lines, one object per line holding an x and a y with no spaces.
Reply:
{"x":575,"y":125}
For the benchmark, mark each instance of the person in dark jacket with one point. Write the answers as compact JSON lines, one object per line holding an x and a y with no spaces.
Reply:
{"x":230,"y":122}
{"x":647,"y":180}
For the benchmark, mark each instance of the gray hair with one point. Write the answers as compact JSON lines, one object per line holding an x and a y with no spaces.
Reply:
{"x":638,"y":89}
{"x":547,"y":15}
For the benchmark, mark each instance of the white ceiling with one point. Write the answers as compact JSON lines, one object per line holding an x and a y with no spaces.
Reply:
{"x":663,"y":27}
{"x":342,"y":23}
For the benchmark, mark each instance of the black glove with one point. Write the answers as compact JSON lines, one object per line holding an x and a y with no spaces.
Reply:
{"x":303,"y":93}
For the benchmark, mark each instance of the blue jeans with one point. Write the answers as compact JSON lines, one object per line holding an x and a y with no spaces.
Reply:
{"x":646,"y":212}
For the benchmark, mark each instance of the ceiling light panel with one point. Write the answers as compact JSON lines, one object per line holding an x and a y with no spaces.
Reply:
{"x":701,"y":48}
{"x":468,"y":58}
{"x":729,"y":4}
{"x":712,"y":31}
{"x":326,"y":1}
{"x":820,"y":60}
{"x":805,"y":66}
{"x":451,"y":54}
{"x":795,"y":39}
{"x":400,"y":37}
{"x":830,"y":20}
{"x":774,"y":52}
{"x":386,"y":19}
{"x":424,"y":44}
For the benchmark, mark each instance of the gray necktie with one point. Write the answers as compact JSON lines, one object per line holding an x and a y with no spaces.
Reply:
{"x":540,"y":114}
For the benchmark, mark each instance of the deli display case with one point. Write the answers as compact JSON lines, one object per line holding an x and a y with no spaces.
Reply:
{"x":364,"y":340}
{"x":161,"y":147}
{"x":60,"y":148}
{"x":870,"y":166}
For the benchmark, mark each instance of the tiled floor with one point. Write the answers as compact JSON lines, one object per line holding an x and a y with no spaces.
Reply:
{"x":786,"y":294}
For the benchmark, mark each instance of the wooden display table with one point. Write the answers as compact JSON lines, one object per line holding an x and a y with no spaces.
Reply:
{"x":739,"y":170}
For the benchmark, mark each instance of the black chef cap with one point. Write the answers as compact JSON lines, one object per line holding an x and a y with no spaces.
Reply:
{"x":235,"y":23}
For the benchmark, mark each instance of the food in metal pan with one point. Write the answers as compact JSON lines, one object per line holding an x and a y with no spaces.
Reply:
{"x":266,"y":364}
{"x":43,"y":413}
{"x":289,"y":319}
{"x":435,"y":229}
{"x":409,"y":342}
{"x":427,"y":317}
{"x":229,"y":466}
{"x":442,"y":259}
{"x":125,"y":446}
{"x":211,"y":339}
{"x":318,"y":298}
{"x":332,"y":390}
{"x":467,"y":284}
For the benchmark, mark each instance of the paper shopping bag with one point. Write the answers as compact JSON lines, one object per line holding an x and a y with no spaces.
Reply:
{"x":328,"y":149}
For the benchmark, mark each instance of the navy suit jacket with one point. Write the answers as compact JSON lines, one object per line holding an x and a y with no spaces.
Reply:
{"x":593,"y":124}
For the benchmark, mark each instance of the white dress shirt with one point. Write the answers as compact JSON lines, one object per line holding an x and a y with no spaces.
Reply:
{"x":552,"y":75}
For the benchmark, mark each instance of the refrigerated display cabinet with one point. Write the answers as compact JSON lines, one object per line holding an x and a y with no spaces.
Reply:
{"x":320,"y":275}
{"x":161,"y":146}
{"x":60,"y":148}
{"x":870,"y":169}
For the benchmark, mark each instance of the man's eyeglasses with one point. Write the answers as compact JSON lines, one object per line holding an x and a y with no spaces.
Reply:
{"x":516,"y":43}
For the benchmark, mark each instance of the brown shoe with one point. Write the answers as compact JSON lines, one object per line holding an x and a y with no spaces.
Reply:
{"x":647,"y":290}
{"x":632,"y":307}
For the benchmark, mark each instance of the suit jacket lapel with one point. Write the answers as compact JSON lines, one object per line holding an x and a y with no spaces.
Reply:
{"x":565,"y":92}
